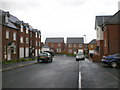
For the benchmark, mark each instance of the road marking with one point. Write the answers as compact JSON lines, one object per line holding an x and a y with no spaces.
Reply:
{"x":113,"y":76}
{"x":79,"y":78}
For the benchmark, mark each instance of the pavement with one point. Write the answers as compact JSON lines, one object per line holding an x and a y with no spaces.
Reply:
{"x":17,"y":65}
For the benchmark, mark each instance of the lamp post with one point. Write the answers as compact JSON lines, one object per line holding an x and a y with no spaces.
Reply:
{"x":85,"y":38}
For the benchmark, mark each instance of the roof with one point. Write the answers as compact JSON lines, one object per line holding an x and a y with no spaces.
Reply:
{"x":75,"y":40}
{"x":9,"y":23}
{"x":115,"y":19}
{"x":100,"y":20}
{"x":93,"y":41}
{"x":54,"y":40}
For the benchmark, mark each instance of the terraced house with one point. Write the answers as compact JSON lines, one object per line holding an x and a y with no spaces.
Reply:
{"x":18,"y":38}
{"x":56,"y":44}
{"x":75,"y":45}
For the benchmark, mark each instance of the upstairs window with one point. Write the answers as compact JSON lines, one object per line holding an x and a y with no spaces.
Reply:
{"x":27,"y":41}
{"x":26,"y":30}
{"x":36,"y":43}
{"x":59,"y":44}
{"x":80,"y":45}
{"x":74,"y":45}
{"x":69,"y":45}
{"x":21,"y":40}
{"x":21,"y":28}
{"x":7,"y":34}
{"x":36,"y":34}
{"x":6,"y":19}
{"x":14,"y":36}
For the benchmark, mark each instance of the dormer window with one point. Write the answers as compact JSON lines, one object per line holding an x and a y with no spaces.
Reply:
{"x":26,"y":30}
{"x":6,"y":18}
{"x":21,"y":28}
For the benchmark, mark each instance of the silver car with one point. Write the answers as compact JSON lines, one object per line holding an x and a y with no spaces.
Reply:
{"x":80,"y":56}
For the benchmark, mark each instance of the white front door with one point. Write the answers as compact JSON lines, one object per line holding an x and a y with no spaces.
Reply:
{"x":9,"y":55}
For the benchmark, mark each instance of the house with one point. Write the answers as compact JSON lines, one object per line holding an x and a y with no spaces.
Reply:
{"x":75,"y":45}
{"x":56,"y":44}
{"x":92,"y":46}
{"x":18,"y":38}
{"x":99,"y":21}
{"x":9,"y":37}
{"x":111,"y":30}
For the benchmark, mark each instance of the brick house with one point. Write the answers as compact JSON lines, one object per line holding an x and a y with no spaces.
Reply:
{"x":75,"y":45}
{"x":99,"y":21}
{"x":92,"y":46}
{"x":111,"y":30}
{"x":9,"y":38}
{"x":18,"y":38}
{"x":56,"y":44}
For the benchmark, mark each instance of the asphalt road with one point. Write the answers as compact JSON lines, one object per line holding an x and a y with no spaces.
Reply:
{"x":61,"y":73}
{"x":99,"y":75}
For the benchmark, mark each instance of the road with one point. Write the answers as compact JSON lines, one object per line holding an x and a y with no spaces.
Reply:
{"x":61,"y":73}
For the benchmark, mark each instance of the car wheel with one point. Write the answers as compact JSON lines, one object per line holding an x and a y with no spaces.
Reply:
{"x":114,"y":64}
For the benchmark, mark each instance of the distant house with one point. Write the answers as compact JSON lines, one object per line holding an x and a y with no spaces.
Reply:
{"x":75,"y":45}
{"x":92,"y":46}
{"x":56,"y":44}
{"x":111,"y":38}
{"x":99,"y":21}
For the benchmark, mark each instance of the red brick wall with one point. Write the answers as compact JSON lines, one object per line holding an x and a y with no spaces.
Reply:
{"x":111,"y":35}
{"x":100,"y":43}
{"x":6,"y":41}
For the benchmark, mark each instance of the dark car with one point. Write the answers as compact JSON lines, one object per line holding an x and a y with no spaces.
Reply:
{"x":44,"y":57}
{"x":52,"y":54}
{"x":112,"y":60}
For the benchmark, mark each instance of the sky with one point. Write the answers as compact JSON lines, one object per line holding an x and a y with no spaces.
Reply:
{"x":61,"y":18}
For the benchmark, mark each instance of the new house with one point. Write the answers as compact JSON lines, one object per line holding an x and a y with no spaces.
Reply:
{"x":75,"y":45}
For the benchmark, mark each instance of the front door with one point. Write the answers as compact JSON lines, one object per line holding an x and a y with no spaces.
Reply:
{"x":9,"y":55}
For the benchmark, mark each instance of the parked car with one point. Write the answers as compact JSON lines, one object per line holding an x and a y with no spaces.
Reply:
{"x":80,"y":56}
{"x":52,"y":54}
{"x":44,"y":57}
{"x":112,"y":60}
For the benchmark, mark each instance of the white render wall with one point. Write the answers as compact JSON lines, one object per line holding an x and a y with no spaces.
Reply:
{"x":99,"y":33}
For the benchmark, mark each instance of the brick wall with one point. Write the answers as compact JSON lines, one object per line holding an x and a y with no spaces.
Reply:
{"x":0,"y":42}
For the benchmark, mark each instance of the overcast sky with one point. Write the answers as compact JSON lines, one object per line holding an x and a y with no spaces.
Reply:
{"x":61,"y":18}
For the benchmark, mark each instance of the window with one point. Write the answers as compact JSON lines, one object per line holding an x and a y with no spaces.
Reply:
{"x":26,"y":30}
{"x":36,"y":34}
{"x":6,"y":19}
{"x":69,"y":45}
{"x":39,"y":35}
{"x":27,"y":40}
{"x":91,"y":46}
{"x":36,"y":43}
{"x":7,"y":34}
{"x":80,"y":45}
{"x":39,"y":43}
{"x":14,"y":36}
{"x":59,"y":44}
{"x":21,"y":40}
{"x":30,"y":34}
{"x":70,"y":50}
{"x":74,"y":45}
{"x":21,"y":28}
{"x":5,"y":49}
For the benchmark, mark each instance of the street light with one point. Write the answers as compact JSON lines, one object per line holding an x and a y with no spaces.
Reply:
{"x":85,"y":37}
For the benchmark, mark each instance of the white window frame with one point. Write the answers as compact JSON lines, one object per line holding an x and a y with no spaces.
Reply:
{"x":36,"y":34}
{"x":75,"y":45}
{"x":27,"y":40}
{"x":6,"y":18}
{"x":21,"y":28}
{"x":7,"y":34}
{"x":59,"y":44}
{"x":69,"y":45}
{"x":26,"y":30}
{"x":36,"y":43}
{"x":80,"y":45}
{"x":14,"y":36}
{"x":21,"y":39}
